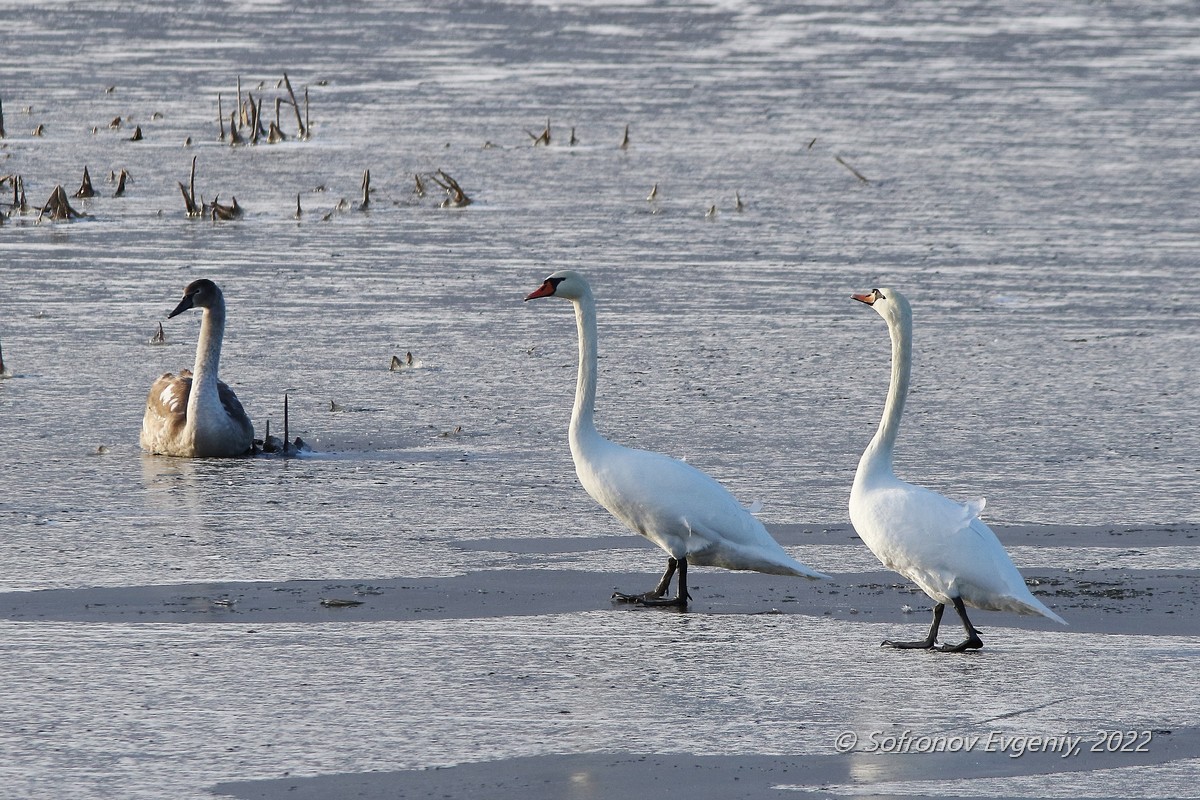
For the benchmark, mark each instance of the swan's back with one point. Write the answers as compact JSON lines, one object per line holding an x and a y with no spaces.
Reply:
{"x":166,"y":418}
{"x":681,"y":509}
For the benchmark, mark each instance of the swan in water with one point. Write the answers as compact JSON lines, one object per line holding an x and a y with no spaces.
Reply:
{"x":942,"y":546}
{"x":194,"y":414}
{"x":674,"y":505}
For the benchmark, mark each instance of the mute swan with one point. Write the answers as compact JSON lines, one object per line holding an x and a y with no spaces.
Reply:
{"x":193,"y":414}
{"x":674,"y":505}
{"x":940,"y":545}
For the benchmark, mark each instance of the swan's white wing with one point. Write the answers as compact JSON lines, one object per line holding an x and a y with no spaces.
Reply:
{"x":682,"y":510}
{"x":1014,"y":595}
{"x":942,"y":546}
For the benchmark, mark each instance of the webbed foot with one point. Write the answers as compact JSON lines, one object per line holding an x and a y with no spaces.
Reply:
{"x":654,"y":597}
{"x":972,"y":642}
{"x":924,"y":644}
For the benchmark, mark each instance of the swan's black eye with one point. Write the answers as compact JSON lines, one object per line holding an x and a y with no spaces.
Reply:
{"x":878,"y":295}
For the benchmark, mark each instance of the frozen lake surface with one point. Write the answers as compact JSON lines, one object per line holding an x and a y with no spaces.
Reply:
{"x":1029,"y":180}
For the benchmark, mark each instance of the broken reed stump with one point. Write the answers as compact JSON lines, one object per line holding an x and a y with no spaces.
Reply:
{"x":189,"y":194}
{"x":225,"y":212}
{"x":241,"y":108}
{"x":853,"y":171}
{"x":58,"y":207}
{"x":18,"y":202}
{"x":120,"y":192}
{"x":248,"y":114}
{"x":85,"y":189}
{"x":456,"y":197}
{"x":271,"y":444}
{"x":296,"y":107}
{"x":1,"y":119}
{"x":256,"y":125}
{"x":366,"y":191}
{"x":275,"y":134}
{"x":542,"y":138}
{"x":234,"y":136}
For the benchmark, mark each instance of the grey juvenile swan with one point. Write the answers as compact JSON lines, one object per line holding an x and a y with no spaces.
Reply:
{"x":193,"y":414}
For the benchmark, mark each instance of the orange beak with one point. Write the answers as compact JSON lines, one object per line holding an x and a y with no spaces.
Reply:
{"x":545,"y":290}
{"x":869,"y":299}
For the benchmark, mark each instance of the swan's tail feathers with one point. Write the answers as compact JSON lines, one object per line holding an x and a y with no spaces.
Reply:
{"x":786,"y":565}
{"x":1030,"y":605}
{"x":1048,"y":614}
{"x":771,"y":561}
{"x":809,"y":572}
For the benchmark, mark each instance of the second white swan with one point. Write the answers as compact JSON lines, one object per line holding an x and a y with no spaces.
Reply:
{"x":674,"y":505}
{"x":941,"y":546}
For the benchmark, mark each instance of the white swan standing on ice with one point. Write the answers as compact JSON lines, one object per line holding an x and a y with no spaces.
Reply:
{"x":940,"y":545}
{"x":682,"y":510}
{"x":194,"y":414}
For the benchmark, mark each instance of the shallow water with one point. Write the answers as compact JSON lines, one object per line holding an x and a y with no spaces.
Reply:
{"x":1031,"y":186}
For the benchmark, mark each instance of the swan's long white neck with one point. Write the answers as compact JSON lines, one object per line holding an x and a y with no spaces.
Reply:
{"x":208,"y":357}
{"x":877,"y":458}
{"x":583,"y":426}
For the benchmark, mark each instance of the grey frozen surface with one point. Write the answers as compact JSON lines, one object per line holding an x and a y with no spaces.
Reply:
{"x":1031,"y":182}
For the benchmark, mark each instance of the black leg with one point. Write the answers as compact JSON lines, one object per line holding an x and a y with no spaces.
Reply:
{"x":972,"y":642}
{"x":927,"y":642}
{"x":654,"y":597}
{"x":654,"y":594}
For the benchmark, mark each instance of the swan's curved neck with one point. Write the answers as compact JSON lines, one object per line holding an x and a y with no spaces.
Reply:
{"x":878,"y":455}
{"x":583,"y":426}
{"x":208,"y":357}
